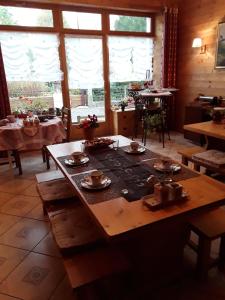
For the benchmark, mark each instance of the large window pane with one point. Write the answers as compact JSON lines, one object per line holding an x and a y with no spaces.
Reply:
{"x":130,"y":23}
{"x":25,"y":16}
{"x":32,"y":69}
{"x":130,"y":58}
{"x":78,"y":20}
{"x":85,"y":71}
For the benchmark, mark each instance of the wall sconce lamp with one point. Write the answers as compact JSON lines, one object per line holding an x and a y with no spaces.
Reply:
{"x":197,"y":43}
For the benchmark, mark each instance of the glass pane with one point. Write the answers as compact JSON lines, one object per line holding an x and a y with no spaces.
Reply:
{"x":130,"y":23}
{"x":85,"y":72}
{"x":25,"y":16}
{"x":77,"y":20}
{"x":130,"y":59}
{"x":32,"y":69}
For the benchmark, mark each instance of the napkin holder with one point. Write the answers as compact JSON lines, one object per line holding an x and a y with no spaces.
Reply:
{"x":165,"y":195}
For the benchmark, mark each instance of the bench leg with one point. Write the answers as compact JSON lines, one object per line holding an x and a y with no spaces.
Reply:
{"x":221,"y":264}
{"x":196,"y":167}
{"x":184,"y":160}
{"x":203,"y":259}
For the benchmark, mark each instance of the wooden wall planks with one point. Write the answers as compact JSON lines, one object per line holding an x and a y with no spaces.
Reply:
{"x":153,"y":5}
{"x":196,"y":72}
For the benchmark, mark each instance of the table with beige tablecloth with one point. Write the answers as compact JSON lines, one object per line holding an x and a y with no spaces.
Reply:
{"x":14,"y":136}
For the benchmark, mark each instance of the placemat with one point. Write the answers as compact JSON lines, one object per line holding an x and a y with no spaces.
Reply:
{"x":107,"y":158}
{"x":126,"y":174}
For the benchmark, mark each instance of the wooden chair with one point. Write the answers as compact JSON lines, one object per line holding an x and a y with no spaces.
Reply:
{"x":10,"y":157}
{"x":187,"y":153}
{"x":67,"y":121}
{"x":53,"y":188}
{"x":208,"y":226}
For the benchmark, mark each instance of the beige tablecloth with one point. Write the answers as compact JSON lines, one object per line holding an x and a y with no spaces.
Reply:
{"x":14,"y":136}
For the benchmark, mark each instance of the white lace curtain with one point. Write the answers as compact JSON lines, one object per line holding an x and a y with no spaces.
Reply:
{"x":84,"y":62}
{"x":130,"y":58}
{"x":31,"y":56}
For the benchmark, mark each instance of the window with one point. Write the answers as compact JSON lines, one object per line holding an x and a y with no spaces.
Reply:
{"x":78,"y":20}
{"x":120,"y":44}
{"x":130,"y":23}
{"x":85,"y":72}
{"x":32,"y":69}
{"x":25,"y":16}
{"x":129,"y":59}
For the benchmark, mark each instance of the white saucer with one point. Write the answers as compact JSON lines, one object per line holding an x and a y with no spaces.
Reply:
{"x":141,"y":149}
{"x":87,"y":183}
{"x":173,"y":167}
{"x":71,"y":162}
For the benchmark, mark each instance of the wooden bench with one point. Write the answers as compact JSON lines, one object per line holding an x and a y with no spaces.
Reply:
{"x":213,"y":160}
{"x":72,"y":227}
{"x":208,"y":226}
{"x":93,"y":265}
{"x":187,"y":153}
{"x":53,"y":188}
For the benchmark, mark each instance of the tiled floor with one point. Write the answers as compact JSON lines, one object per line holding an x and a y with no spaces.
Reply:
{"x":30,"y":264}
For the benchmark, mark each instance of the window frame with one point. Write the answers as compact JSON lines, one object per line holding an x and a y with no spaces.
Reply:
{"x":105,"y":32}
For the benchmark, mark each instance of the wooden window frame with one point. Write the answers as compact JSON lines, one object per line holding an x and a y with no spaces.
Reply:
{"x":57,"y":28}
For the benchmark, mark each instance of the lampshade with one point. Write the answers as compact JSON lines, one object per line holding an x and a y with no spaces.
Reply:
{"x":197,"y":42}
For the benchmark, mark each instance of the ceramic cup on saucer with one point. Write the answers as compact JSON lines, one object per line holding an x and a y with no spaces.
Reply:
{"x":77,"y":156}
{"x":96,"y":177}
{"x":134,"y":146}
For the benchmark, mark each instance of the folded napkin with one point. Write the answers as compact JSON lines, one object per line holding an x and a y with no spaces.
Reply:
{"x":3,"y":122}
{"x":214,"y":158}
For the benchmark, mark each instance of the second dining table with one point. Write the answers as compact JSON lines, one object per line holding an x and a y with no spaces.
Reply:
{"x":153,"y":240}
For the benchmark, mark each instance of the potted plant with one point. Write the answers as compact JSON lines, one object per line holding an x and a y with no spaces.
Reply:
{"x":123,"y":103}
{"x":89,"y":124}
{"x":153,"y":123}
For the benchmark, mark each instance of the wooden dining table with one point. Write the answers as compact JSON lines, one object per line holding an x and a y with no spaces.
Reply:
{"x":209,"y":128}
{"x":153,"y":240}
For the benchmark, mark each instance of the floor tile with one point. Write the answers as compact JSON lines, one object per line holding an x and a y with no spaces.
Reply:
{"x":47,"y":246}
{"x":5,"y":297}
{"x":35,"y":278}
{"x":6,"y":222}
{"x":64,"y":291}
{"x":25,"y":234}
{"x":4,"y":197}
{"x":9,"y":258}
{"x":20,"y":205}
{"x":15,"y":185}
{"x":37,"y":213}
{"x":31,"y":190}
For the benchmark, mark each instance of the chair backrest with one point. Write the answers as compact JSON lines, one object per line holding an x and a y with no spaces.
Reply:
{"x":66,"y":119}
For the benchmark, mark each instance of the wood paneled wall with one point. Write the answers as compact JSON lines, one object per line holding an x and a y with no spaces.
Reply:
{"x":115,"y":4}
{"x":196,"y":72}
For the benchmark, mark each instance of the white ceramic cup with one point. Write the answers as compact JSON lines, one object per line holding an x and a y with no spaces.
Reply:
{"x":77,"y":156}
{"x":96,"y":177}
{"x":134,"y":146}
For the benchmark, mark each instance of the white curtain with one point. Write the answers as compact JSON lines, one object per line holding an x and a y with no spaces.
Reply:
{"x":129,"y":58}
{"x":31,"y":56}
{"x":84,"y":61}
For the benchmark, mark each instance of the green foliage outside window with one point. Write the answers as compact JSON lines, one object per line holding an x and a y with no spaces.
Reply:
{"x":127,"y":23}
{"x":6,"y":17}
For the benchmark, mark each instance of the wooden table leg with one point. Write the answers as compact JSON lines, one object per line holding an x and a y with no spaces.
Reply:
{"x":18,"y":161}
{"x":10,"y":160}
{"x":203,"y":259}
